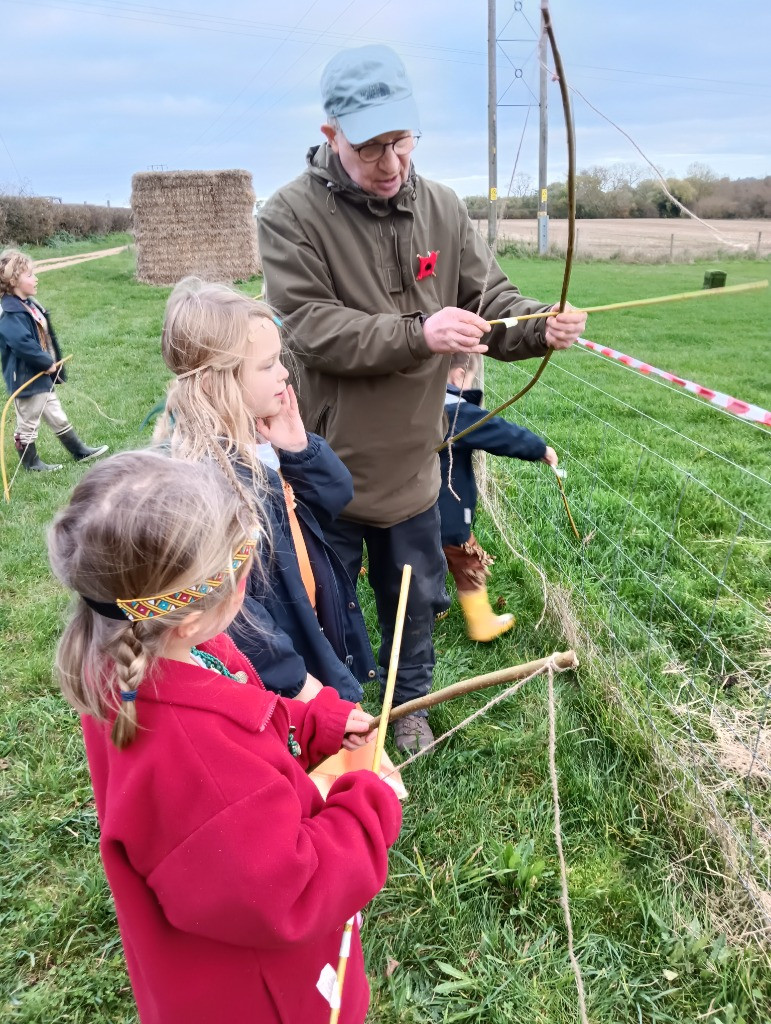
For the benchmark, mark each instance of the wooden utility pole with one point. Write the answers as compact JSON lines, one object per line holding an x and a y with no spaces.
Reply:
{"x":492,"y":124}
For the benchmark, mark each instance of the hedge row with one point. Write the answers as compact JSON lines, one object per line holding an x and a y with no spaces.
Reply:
{"x":35,"y":220}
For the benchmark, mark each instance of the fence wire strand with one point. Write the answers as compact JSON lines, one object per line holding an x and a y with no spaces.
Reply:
{"x":669,"y":597}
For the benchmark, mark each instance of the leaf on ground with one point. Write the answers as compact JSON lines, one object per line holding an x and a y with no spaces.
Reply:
{"x":452,"y":971}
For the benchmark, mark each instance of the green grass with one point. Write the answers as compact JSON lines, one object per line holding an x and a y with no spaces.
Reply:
{"x":671,"y":592}
{"x":469,"y":922}
{"x":710,"y":340}
{"x":57,"y":248}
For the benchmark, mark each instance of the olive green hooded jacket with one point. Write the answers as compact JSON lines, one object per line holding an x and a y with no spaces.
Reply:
{"x":341,"y":267}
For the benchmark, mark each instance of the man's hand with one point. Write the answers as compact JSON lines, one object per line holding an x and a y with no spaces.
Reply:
{"x":285,"y":430}
{"x":455,"y":330}
{"x":563,"y":330}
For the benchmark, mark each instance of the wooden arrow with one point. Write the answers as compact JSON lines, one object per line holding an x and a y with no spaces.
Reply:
{"x":751,"y":286}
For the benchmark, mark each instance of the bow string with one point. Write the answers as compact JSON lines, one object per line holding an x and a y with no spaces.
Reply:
{"x":571,"y":240}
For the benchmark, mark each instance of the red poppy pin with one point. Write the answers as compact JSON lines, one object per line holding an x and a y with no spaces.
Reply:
{"x":427,"y":265}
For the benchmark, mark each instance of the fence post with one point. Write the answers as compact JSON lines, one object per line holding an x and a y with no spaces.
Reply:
{"x":757,"y":249}
{"x":672,"y":248}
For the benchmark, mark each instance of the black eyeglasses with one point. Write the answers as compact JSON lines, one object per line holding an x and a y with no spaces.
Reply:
{"x":371,"y":152}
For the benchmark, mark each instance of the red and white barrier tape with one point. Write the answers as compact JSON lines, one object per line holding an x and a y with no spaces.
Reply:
{"x":744,"y":410}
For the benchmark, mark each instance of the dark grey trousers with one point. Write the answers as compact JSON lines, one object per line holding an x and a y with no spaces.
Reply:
{"x":417,"y":542}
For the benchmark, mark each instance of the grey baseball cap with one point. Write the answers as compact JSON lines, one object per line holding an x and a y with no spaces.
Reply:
{"x":368,"y":91}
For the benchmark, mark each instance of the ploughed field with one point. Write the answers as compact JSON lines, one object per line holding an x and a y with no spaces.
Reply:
{"x":648,"y":239}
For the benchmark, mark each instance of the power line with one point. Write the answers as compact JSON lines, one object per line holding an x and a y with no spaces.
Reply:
{"x":145,"y":13}
{"x":236,"y":26}
{"x":681,"y":78}
{"x":314,"y":70}
{"x":258,"y":72}
{"x":273,"y":84}
{"x":13,"y":162}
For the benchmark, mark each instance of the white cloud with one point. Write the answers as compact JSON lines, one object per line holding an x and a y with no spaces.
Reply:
{"x":112,"y":95}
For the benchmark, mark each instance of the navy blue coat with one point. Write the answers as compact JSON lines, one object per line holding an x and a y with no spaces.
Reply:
{"x":21,"y":353}
{"x":333,"y":644}
{"x":498,"y":437}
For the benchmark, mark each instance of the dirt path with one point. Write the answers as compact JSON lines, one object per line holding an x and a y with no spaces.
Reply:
{"x":57,"y":262}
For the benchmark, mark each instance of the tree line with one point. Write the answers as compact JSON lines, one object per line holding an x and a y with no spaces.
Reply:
{"x":627,"y":190}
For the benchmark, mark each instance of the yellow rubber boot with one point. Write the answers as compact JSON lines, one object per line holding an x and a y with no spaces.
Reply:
{"x":482,"y":624}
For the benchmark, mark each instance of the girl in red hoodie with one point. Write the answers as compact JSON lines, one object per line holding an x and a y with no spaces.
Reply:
{"x":232,"y":878}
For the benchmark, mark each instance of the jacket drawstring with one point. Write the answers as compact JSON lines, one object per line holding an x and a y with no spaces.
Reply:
{"x":395,"y":235}
{"x":331,"y":195}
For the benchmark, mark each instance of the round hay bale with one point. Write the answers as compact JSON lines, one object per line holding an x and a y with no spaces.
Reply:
{"x":194,"y":222}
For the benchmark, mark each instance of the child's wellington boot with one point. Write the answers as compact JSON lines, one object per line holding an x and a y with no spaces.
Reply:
{"x":482,"y":624}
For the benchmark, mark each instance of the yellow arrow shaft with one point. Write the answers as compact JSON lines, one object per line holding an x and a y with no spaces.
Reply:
{"x":702,"y":293}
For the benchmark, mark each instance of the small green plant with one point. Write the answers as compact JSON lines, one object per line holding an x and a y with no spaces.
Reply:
{"x":514,"y":249}
{"x":518,"y":869}
{"x":691,"y":951}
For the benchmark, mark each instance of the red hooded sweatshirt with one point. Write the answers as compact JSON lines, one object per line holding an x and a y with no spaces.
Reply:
{"x":232,"y":878}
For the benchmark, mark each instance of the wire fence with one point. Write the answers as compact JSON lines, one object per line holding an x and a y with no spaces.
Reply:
{"x":667,"y":596}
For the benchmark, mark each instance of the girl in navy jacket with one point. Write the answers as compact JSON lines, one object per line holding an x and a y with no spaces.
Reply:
{"x":230,"y":401}
{"x":29,"y":351}
{"x":467,"y":560}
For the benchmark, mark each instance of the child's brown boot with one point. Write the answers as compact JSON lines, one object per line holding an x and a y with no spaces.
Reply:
{"x":482,"y":624}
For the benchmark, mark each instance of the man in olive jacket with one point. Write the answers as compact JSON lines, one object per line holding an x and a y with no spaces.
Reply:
{"x":380,"y":277}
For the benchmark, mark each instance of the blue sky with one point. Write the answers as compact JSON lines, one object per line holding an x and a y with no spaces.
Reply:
{"x":98,"y":89}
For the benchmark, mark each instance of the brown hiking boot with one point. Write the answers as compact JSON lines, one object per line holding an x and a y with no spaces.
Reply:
{"x":412,"y":733}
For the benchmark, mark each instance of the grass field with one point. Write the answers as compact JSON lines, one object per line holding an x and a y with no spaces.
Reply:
{"x":469,"y":926}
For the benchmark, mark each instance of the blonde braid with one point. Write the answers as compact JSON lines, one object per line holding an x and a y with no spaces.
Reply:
{"x":131,"y":658}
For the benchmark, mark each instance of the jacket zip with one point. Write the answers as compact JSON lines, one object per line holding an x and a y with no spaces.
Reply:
{"x":395,"y":234}
{"x":348,"y":659}
{"x":274,"y":705}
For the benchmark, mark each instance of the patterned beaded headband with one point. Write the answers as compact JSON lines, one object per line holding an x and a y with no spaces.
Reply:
{"x":139,"y":609}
